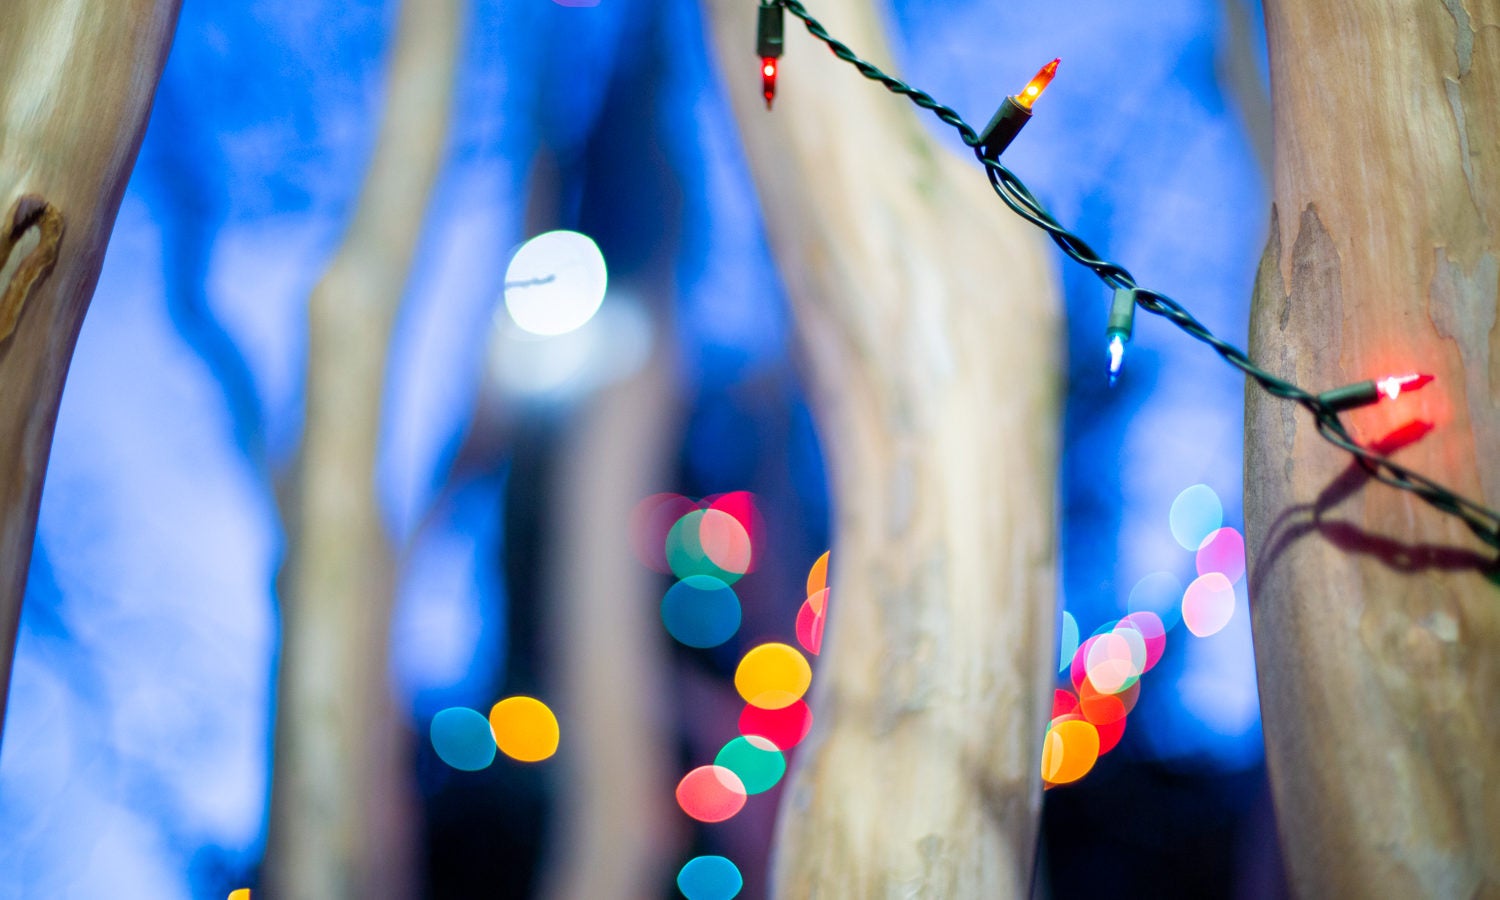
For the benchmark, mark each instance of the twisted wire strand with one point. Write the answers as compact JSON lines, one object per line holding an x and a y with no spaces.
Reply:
{"x":872,"y":72}
{"x":1483,"y":521}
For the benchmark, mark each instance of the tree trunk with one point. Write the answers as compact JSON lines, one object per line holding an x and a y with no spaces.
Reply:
{"x":929,"y":320}
{"x":1377,"y":632}
{"x":76,"y":82}
{"x":609,"y":654}
{"x":340,"y":807}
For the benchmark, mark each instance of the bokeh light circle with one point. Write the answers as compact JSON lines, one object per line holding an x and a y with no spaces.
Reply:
{"x":1063,"y":703}
{"x":1223,"y":551}
{"x":710,"y":878}
{"x":756,"y":760}
{"x":725,"y":541}
{"x":784,"y":728}
{"x":772,"y":676}
{"x":1078,"y":669}
{"x":686,"y":555}
{"x":1195,"y":514}
{"x":711,"y":793}
{"x":461,"y":737}
{"x":1092,"y":702}
{"x":1052,"y":752}
{"x":1153,"y":634}
{"x":1069,"y":641}
{"x":1065,"y":717}
{"x":701,"y":611}
{"x":817,"y":576}
{"x":1159,"y":593}
{"x":1115,"y":660}
{"x":1136,"y":641}
{"x":1101,"y":709}
{"x":1110,"y":734}
{"x":810,"y":627}
{"x":1070,"y":750}
{"x":741,"y":505}
{"x":525,"y":728}
{"x":1208,"y":604}
{"x":555,"y":283}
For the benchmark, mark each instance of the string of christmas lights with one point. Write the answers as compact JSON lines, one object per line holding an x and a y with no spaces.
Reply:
{"x":1013,"y":115}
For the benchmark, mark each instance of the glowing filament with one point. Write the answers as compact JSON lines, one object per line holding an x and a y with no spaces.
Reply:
{"x":1393,"y":386}
{"x":1116,"y":357}
{"x":768,"y":79}
{"x":1038,"y":84}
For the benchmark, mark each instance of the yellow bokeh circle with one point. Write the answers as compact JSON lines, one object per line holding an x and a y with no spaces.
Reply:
{"x":1069,"y":751}
{"x":525,"y":729}
{"x":773,"y":676}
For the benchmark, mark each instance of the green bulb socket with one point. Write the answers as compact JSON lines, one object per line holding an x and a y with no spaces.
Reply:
{"x":1350,"y":396}
{"x":1121,"y":314}
{"x":768,"y":33}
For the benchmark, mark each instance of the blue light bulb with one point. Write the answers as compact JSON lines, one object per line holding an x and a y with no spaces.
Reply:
{"x":1116,"y":357}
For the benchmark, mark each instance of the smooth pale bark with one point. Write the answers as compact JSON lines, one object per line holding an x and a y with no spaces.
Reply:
{"x":340,"y":807}
{"x":1377,"y":634}
{"x":76,"y":82}
{"x":928,"y":316}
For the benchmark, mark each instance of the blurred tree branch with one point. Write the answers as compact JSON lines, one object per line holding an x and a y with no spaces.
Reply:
{"x":601,"y":617}
{"x":340,"y":797}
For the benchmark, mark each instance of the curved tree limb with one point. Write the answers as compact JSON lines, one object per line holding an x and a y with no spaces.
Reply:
{"x":76,"y":82}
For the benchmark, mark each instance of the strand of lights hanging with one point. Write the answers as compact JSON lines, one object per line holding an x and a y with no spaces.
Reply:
{"x":1012,"y":116}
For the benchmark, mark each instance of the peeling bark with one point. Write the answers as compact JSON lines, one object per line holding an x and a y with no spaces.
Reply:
{"x":28,"y":251}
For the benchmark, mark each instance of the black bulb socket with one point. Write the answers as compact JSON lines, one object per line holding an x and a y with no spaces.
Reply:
{"x":1007,"y":122}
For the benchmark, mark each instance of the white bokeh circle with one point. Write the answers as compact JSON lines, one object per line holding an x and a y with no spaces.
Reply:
{"x":555,"y":283}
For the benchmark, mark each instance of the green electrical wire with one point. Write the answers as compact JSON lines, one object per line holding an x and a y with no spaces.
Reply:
{"x":1483,"y":521}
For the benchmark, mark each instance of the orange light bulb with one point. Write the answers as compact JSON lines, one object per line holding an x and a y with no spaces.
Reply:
{"x":1035,"y":86}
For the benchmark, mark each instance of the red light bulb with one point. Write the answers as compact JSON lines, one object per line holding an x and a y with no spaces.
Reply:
{"x":1392,"y":386}
{"x":1354,"y":396}
{"x":768,"y":79}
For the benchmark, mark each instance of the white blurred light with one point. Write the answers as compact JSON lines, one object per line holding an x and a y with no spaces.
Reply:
{"x":555,"y":283}
{"x":1218,"y":679}
{"x":609,"y":347}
